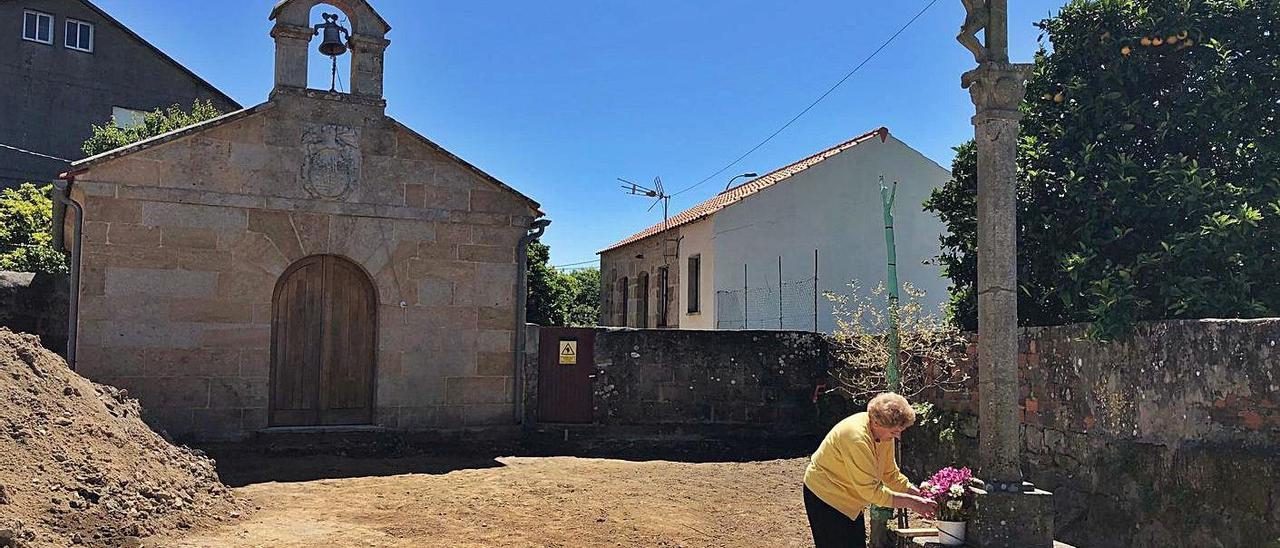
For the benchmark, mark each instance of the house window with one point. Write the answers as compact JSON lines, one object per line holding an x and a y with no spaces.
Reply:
{"x":37,"y":27}
{"x":79,"y":36}
{"x":127,"y":117}
{"x":695,"y":283}
{"x":662,"y":295}
{"x":623,"y":300}
{"x":642,"y":291}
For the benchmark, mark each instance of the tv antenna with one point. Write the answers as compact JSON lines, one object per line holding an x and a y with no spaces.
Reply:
{"x":659,"y":195}
{"x":656,"y":192}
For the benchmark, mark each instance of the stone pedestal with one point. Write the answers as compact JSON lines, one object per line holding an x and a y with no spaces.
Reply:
{"x":1012,"y":519}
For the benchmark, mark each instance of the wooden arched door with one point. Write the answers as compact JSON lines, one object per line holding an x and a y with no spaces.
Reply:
{"x":323,"y":344}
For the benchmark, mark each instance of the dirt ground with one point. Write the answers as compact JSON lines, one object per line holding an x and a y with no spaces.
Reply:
{"x":508,"y":501}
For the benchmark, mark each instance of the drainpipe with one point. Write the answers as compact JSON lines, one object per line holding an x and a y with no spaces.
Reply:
{"x":522,"y":293}
{"x":62,"y":193}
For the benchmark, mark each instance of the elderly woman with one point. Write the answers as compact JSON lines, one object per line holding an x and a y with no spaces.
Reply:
{"x":854,"y":467}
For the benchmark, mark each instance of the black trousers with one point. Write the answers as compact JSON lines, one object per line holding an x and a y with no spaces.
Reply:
{"x":830,"y":527}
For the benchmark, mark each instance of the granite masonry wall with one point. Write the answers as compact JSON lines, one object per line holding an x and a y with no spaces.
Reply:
{"x":1168,"y":438}
{"x":756,"y":382}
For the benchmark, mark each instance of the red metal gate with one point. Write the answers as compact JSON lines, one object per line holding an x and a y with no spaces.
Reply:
{"x":566,"y":372}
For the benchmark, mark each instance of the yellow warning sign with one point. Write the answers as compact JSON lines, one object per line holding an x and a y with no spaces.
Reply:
{"x":568,"y":352}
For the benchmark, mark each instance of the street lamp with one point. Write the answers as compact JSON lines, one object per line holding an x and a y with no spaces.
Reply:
{"x":735,"y":177}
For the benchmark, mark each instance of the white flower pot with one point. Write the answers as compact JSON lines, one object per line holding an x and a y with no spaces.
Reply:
{"x":950,"y":533}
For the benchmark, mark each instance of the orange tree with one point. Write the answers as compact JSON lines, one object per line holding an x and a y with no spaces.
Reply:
{"x":1149,"y":169}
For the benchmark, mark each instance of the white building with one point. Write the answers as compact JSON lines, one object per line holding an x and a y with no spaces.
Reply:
{"x":761,"y":255}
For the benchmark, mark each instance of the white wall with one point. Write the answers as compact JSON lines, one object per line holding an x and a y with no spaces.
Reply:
{"x":696,"y":239}
{"x":833,"y":207}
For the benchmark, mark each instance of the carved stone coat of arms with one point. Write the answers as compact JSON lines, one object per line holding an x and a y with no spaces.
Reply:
{"x":331,"y":164}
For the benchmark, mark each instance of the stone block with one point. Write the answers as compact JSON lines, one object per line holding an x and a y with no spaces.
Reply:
{"x":216,"y":424}
{"x":155,"y":334}
{"x":254,"y":249}
{"x":95,"y":232}
{"x":97,"y":362}
{"x":313,"y":232}
{"x":506,"y":237}
{"x":417,"y":417}
{"x":412,"y":231}
{"x":175,"y":422}
{"x":414,"y":195}
{"x":433,"y":318}
{"x":246,"y":285}
{"x":211,"y":311}
{"x":478,"y":389}
{"x":160,"y":392}
{"x":252,"y":420}
{"x":446,"y":198}
{"x":112,"y":210}
{"x":486,"y":253}
{"x":188,"y":238}
{"x":435,"y":292}
{"x":496,"y":364}
{"x":126,"y":307}
{"x":278,"y":227}
{"x":232,"y":336}
{"x":238,"y":392}
{"x":160,"y":283}
{"x":488,"y":414}
{"x":131,"y":234}
{"x":255,"y":362}
{"x":432,"y":251}
{"x":424,"y":366}
{"x":195,"y":216}
{"x":1012,"y":519}
{"x":91,"y":188}
{"x":192,"y":362}
{"x":495,"y":317}
{"x":492,"y":340}
{"x":450,"y":416}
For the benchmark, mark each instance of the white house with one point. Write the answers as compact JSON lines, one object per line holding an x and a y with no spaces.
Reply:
{"x":762,"y":254}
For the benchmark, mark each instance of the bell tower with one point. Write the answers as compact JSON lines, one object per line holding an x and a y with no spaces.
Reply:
{"x":366,"y":41}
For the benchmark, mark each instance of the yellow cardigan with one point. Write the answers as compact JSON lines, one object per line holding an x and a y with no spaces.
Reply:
{"x":851,"y":470}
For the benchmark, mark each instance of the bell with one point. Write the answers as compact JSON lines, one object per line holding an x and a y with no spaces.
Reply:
{"x":332,"y":44}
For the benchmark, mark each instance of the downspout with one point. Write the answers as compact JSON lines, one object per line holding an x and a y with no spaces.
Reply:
{"x":522,"y":296}
{"x":62,"y":192}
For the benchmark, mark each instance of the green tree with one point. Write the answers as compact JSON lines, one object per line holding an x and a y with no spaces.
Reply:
{"x":111,"y":136}
{"x":560,"y":298}
{"x":26,"y":244}
{"x":1149,"y":169}
{"x":585,"y":308}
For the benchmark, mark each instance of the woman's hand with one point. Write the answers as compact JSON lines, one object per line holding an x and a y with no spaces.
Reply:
{"x":923,"y":506}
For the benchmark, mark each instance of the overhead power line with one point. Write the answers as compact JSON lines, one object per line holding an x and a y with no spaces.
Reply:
{"x":815,"y":101}
{"x":25,"y":151}
{"x":574,"y":264}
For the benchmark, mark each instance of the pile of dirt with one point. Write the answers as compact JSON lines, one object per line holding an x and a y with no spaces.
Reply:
{"x":78,"y":466}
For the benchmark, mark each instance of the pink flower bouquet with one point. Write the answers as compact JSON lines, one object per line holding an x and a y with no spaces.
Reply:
{"x":950,"y":489}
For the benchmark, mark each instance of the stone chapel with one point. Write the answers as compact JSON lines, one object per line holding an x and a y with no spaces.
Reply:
{"x":306,"y":262}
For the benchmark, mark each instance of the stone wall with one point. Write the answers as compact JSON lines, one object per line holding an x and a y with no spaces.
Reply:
{"x":36,"y":304}
{"x":761,"y":380}
{"x":1169,"y":438}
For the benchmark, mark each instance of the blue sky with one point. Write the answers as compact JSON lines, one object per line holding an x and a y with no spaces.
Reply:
{"x":560,"y":98}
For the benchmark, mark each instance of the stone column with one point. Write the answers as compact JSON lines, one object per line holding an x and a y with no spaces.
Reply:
{"x":291,"y":54}
{"x":366,"y":64}
{"x":997,"y":89}
{"x":1009,"y":512}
